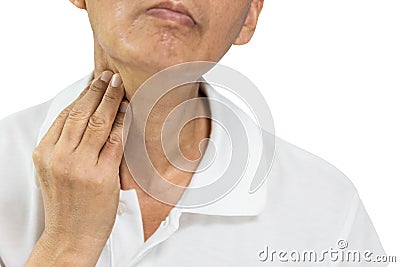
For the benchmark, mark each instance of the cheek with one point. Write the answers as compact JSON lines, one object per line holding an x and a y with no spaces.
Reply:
{"x":223,"y":31}
{"x":227,"y":19}
{"x":105,"y":16}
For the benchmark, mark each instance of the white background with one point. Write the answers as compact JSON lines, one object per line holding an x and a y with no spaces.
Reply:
{"x":330,"y":71}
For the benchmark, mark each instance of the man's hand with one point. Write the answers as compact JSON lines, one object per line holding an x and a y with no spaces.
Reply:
{"x":77,"y":162}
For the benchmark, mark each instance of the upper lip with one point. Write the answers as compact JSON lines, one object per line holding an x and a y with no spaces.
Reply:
{"x":174,"y":6}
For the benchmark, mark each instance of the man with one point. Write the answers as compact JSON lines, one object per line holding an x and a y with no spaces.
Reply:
{"x":87,"y":206}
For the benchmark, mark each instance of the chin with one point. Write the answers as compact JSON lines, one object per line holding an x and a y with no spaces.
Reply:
{"x":155,"y":60}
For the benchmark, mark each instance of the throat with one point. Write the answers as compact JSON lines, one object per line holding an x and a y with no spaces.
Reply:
{"x":174,"y":155}
{"x":153,"y":213}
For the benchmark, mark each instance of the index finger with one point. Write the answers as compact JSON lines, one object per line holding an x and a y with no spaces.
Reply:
{"x":53,"y":134}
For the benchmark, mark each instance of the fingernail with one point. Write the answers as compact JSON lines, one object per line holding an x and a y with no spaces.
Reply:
{"x":116,"y":80}
{"x":123,"y":107}
{"x":106,"y":76}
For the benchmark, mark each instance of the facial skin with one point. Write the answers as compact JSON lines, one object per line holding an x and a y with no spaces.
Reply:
{"x":128,"y":40}
{"x":80,"y":159}
{"x":131,"y":42}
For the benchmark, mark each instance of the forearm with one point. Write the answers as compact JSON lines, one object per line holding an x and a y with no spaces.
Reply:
{"x":50,"y":251}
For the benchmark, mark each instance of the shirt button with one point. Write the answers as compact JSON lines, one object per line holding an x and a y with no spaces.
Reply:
{"x":122,"y":209}
{"x":165,"y":223}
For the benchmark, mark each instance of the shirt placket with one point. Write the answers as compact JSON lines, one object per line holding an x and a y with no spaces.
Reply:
{"x":127,"y":235}
{"x":126,"y":246}
{"x":166,"y":229}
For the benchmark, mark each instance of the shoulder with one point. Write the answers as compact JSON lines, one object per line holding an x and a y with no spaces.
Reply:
{"x":308,"y":186}
{"x":19,"y":131}
{"x":311,"y":202}
{"x":18,"y":138}
{"x":308,"y":172}
{"x":22,"y":124}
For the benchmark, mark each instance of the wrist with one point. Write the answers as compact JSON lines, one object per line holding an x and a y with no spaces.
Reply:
{"x":61,"y":250}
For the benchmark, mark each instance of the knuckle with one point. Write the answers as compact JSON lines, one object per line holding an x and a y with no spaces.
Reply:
{"x":115,"y":139}
{"x":77,"y":114}
{"x":64,"y":113}
{"x":110,"y":97}
{"x":94,"y":185}
{"x":79,"y":174}
{"x":83,"y":93}
{"x":37,"y":155}
{"x":85,"y":180}
{"x":97,"y":122}
{"x":98,"y":86}
{"x":119,"y":122}
{"x":57,"y":167}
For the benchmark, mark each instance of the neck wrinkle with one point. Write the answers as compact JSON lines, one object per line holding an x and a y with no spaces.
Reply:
{"x":190,"y":137}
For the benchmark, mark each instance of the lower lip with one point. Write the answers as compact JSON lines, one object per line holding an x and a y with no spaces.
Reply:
{"x":170,"y":15}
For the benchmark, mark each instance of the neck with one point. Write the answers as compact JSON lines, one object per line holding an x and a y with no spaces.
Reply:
{"x":190,"y":134}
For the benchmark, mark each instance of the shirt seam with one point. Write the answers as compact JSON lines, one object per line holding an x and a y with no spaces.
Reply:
{"x":349,"y":221}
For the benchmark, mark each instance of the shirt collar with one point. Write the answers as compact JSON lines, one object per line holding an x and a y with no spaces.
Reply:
{"x":239,"y":201}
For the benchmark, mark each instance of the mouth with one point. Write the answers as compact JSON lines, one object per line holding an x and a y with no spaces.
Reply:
{"x":173,"y":12}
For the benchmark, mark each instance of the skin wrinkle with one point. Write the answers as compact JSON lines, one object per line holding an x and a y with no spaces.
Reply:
{"x":81,"y":207}
{"x":127,"y":39}
{"x":129,"y":42}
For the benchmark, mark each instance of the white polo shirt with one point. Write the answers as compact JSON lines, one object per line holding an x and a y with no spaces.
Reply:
{"x":307,"y":213}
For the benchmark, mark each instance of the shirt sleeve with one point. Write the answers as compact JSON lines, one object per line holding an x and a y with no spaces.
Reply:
{"x":358,"y":243}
